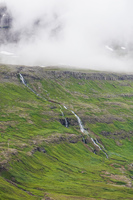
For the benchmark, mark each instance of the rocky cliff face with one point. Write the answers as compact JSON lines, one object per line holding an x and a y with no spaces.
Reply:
{"x":10,"y":73}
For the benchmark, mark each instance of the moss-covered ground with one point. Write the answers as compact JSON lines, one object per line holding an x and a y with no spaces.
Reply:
{"x":42,"y":159}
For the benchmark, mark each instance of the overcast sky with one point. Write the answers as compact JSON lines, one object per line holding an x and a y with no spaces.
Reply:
{"x":93,"y":34}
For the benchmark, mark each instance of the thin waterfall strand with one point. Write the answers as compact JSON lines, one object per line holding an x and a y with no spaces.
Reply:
{"x":79,"y":122}
{"x":24,"y":82}
{"x":86,"y":132}
{"x":66,"y":122}
{"x":95,"y":142}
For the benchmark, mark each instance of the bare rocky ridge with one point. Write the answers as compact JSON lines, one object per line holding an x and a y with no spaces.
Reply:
{"x":10,"y":73}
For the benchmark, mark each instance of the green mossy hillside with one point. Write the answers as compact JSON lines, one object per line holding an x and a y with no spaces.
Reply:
{"x":42,"y":159}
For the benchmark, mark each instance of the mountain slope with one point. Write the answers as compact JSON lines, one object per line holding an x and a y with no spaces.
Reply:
{"x":41,"y":158}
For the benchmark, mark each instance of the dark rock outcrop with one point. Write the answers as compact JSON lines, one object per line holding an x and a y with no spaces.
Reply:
{"x":38,"y":73}
{"x":63,"y":74}
{"x":40,"y":149}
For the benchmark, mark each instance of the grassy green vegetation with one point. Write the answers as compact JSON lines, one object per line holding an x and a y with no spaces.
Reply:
{"x":42,"y":159}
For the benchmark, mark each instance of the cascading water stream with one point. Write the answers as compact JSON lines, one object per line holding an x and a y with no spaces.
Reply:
{"x":99,"y":143}
{"x":66,"y":122}
{"x":103,"y":149}
{"x":95,"y":142}
{"x":65,"y":107}
{"x":24,"y":82}
{"x":22,"y":79}
{"x":79,"y":122}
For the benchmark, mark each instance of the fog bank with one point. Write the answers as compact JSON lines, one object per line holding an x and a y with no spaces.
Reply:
{"x":92,"y":34}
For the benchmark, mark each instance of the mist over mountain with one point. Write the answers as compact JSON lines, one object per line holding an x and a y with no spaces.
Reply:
{"x":86,"y":34}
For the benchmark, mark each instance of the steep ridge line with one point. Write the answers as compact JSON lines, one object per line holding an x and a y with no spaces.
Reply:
{"x":49,"y":72}
{"x":10,"y":73}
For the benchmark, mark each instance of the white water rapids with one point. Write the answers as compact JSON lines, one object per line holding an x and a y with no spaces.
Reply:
{"x":95,"y":142}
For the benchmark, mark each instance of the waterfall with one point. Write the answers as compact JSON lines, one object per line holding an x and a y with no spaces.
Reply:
{"x":24,"y":82}
{"x":102,"y":149}
{"x":95,"y":142}
{"x":65,"y":107}
{"x":99,"y":143}
{"x":22,"y":79}
{"x":79,"y":122}
{"x":66,"y":122}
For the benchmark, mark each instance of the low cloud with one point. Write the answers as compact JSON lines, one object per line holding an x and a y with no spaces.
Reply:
{"x":93,"y":34}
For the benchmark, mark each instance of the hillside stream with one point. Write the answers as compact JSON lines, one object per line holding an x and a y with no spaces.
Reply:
{"x":94,"y":141}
